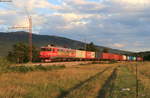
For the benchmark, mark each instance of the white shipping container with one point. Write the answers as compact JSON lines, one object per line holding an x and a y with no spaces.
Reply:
{"x":93,"y":55}
{"x":134,"y":58}
{"x":80,"y":54}
{"x":128,"y":57}
{"x":124,"y":57}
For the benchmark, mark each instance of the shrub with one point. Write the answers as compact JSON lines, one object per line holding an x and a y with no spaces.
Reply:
{"x":40,"y":67}
{"x":23,"y":69}
{"x":4,"y":64}
{"x":96,"y":62}
{"x":112,"y":61}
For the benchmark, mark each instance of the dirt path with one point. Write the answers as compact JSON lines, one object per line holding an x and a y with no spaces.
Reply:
{"x":90,"y":87}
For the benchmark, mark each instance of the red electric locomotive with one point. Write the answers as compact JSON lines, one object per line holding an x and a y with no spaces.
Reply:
{"x":52,"y":53}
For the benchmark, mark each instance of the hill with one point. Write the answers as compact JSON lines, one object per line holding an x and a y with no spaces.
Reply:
{"x":7,"y":39}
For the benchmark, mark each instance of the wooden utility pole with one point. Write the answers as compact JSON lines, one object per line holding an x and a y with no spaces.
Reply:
{"x":137,"y":86}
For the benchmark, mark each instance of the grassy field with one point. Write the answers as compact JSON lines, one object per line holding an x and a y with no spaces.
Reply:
{"x":80,"y":81}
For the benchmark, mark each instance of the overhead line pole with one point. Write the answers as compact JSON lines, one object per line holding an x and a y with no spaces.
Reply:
{"x":85,"y":45}
{"x":30,"y":39}
{"x":30,"y":36}
{"x":137,"y":86}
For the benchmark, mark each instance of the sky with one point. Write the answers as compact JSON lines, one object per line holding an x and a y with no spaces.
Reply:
{"x":119,"y":24}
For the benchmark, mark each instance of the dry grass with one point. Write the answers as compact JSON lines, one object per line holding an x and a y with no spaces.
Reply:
{"x":91,"y":89}
{"x":50,"y":84}
{"x":53,"y":83}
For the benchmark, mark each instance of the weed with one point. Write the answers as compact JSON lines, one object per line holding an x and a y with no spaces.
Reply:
{"x":4,"y":64}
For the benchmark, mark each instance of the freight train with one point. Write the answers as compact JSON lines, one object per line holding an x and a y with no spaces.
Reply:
{"x":53,"y":53}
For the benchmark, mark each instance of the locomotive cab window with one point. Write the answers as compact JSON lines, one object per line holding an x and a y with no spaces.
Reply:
{"x":43,"y":49}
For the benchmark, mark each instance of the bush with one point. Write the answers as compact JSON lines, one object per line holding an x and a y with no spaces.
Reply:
{"x":23,"y":69}
{"x":96,"y":62}
{"x":40,"y":67}
{"x":4,"y":64}
{"x":112,"y":61}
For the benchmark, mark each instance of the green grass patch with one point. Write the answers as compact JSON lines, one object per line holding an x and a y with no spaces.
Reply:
{"x":112,"y":61}
{"x":25,"y":69}
{"x":123,"y":85}
{"x":143,"y":78}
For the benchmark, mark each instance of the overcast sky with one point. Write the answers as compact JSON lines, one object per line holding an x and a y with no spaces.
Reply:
{"x":120,"y":24}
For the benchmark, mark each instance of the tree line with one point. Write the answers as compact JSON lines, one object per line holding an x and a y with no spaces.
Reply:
{"x":20,"y":53}
{"x":92,"y":47}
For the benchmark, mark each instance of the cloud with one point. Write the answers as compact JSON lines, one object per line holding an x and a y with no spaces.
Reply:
{"x":31,"y":4}
{"x":117,"y":45}
{"x":132,"y":2}
{"x":122,"y":24}
{"x":131,"y":5}
{"x":81,"y":6}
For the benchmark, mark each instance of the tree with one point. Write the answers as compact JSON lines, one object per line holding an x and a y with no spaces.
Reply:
{"x":91,"y":47}
{"x":20,"y":53}
{"x":147,"y":58}
{"x":105,"y":50}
